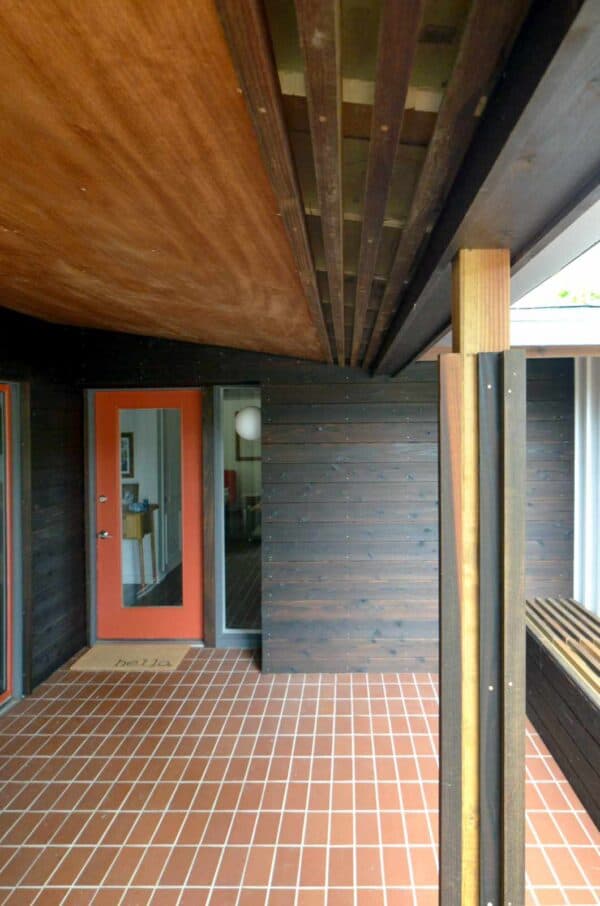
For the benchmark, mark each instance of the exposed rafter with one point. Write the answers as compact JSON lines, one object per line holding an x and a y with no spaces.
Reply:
{"x":398,"y":34}
{"x":250,"y":45}
{"x":361,"y":91}
{"x":320,"y":38}
{"x":489,"y":31}
{"x":514,"y":185}
{"x":391,"y":223}
{"x":417,"y":125}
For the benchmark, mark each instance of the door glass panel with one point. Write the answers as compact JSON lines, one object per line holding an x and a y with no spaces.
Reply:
{"x":3,"y":550}
{"x":242,"y":505}
{"x":151,"y":501}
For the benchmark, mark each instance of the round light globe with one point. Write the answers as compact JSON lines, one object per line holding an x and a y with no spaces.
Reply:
{"x":247,"y":423}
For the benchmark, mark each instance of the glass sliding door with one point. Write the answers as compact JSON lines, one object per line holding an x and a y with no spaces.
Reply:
{"x":242,"y":511}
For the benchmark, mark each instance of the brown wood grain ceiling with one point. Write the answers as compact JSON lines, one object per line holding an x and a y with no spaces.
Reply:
{"x":133,"y":194}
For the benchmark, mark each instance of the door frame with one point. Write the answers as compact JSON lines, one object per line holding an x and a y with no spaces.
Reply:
{"x":224,"y":637}
{"x":16,"y":503}
{"x":91,"y":525}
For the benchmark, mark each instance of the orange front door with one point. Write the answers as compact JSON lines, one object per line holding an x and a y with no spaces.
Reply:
{"x":149,"y":514}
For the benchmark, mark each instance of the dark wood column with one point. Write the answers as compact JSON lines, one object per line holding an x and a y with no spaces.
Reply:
{"x":482,"y":490}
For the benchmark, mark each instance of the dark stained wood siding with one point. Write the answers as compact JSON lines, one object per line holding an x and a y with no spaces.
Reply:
{"x":350,"y":508}
{"x":567,"y":720}
{"x":352,"y":465}
{"x":350,"y":492}
{"x":350,"y":525}
{"x":550,"y":478}
{"x":48,"y":360}
{"x":57,"y":526}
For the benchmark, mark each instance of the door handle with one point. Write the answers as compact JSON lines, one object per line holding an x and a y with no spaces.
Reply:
{"x":104,"y":534}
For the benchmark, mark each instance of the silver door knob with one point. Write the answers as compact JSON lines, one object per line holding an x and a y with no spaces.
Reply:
{"x":104,"y":534}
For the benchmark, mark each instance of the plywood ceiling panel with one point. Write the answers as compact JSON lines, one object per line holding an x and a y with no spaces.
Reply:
{"x":133,"y":194}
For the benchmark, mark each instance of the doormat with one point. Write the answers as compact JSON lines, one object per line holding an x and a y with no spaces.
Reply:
{"x":126,"y":658}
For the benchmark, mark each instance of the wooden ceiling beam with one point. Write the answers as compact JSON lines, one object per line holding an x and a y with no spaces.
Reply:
{"x":249,"y":42}
{"x":417,"y":125}
{"x":319,"y":26}
{"x":389,"y":223}
{"x":535,"y":155}
{"x":397,"y":43}
{"x":360,"y":92}
{"x":489,"y":31}
{"x":349,"y":274}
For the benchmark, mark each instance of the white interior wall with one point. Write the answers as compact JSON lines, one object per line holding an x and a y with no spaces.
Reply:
{"x":248,"y":471}
{"x":155,"y":440}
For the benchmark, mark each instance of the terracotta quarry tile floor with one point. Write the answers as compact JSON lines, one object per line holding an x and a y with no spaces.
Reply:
{"x":215,"y":784}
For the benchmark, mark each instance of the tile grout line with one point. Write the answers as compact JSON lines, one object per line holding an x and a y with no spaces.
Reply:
{"x":418,"y":761}
{"x":331,"y":781}
{"x":376,"y":780}
{"x":215,"y":705}
{"x":548,"y":862}
{"x":243,"y":783}
{"x":399,"y":785}
{"x":47,"y":784}
{"x":307,"y":811}
{"x":259,"y":809}
{"x":354,"y":822}
{"x":119,"y":810}
{"x":121,"y":732}
{"x":580,"y":868}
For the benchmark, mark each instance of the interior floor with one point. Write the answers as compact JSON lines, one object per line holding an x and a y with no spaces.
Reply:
{"x":216,"y":784}
{"x":243,"y":583}
{"x":166,"y":593}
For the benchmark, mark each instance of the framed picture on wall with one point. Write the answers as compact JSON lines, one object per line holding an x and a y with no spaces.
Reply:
{"x":130,"y":493}
{"x":127,"y":466}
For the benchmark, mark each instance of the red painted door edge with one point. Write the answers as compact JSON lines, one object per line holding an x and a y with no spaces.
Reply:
{"x":114,"y":621}
{"x":5,"y":391}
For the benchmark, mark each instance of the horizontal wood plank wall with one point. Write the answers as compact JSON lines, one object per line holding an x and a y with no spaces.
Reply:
{"x":48,"y":359}
{"x":350,"y":525}
{"x":567,"y":720}
{"x":550,"y":478}
{"x":350,"y":491}
{"x":332,"y":411}
{"x":58,"y":619}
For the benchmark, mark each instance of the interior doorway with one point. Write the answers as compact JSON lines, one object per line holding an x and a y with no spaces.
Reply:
{"x":239,"y":534}
{"x":148,"y":514}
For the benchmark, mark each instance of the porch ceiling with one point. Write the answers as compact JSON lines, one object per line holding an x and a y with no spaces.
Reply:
{"x":315,"y":214}
{"x":133,"y":194}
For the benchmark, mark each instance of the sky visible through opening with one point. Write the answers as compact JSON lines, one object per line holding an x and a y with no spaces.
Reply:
{"x":577,"y":285}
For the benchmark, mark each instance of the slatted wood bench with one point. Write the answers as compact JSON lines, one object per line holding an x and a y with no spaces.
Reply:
{"x":563,"y":690}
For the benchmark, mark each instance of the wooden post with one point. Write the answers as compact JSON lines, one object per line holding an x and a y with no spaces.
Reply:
{"x":482,"y":467}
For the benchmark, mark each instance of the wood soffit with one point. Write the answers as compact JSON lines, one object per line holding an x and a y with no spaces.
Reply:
{"x":133,"y":194}
{"x":408,"y":83}
{"x":264,"y":175}
{"x":533,"y":161}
